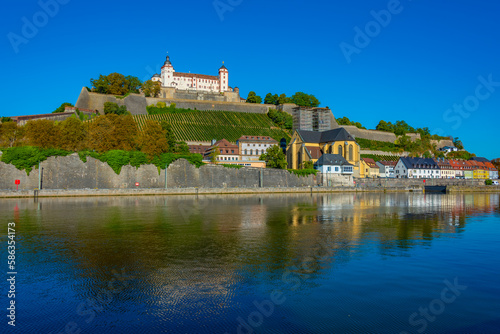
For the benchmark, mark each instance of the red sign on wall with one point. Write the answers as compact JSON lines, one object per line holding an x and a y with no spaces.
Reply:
{"x":18,"y":182}
{"x":137,"y":184}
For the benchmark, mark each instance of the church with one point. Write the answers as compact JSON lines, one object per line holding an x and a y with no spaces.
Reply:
{"x":190,"y":81}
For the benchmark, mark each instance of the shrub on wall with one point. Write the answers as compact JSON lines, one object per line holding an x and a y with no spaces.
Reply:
{"x":27,"y":157}
{"x":303,"y":172}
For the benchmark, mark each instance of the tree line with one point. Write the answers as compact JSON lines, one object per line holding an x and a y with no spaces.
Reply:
{"x":299,"y":98}
{"x":119,"y":84}
{"x":102,"y":134}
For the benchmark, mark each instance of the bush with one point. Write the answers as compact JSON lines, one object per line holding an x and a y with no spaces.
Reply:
{"x":27,"y":157}
{"x":303,"y":172}
{"x":488,"y":182}
{"x":231,"y":166}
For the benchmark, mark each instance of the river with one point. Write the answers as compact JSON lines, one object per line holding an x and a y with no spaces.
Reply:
{"x":321,"y":263}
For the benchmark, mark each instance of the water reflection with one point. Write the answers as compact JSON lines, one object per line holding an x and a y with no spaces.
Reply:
{"x":200,"y":261}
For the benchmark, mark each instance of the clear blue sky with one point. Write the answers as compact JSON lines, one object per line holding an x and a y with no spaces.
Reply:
{"x":414,"y":68}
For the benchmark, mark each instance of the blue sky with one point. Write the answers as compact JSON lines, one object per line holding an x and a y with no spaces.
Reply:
{"x":413,"y":65}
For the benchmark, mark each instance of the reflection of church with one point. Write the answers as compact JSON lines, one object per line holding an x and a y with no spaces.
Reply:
{"x":190,"y":81}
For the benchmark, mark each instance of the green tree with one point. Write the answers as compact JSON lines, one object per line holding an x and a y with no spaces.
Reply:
{"x":116,"y":84}
{"x":458,"y":143}
{"x":133,"y":84}
{"x":305,"y":100}
{"x":282,"y":99}
{"x":214,"y":154}
{"x":152,"y":140}
{"x":274,"y":157}
{"x":113,"y":108}
{"x":169,"y":135}
{"x":62,"y":107}
{"x":308,"y":165}
{"x":151,"y":88}
{"x":253,"y":98}
{"x":271,"y":99}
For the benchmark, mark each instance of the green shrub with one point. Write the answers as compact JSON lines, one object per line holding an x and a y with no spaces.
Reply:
{"x":488,"y":182}
{"x":116,"y":159}
{"x":27,"y":157}
{"x":303,"y":172}
{"x":231,"y":166}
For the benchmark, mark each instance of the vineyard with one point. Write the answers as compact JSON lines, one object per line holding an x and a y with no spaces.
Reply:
{"x":377,"y":157}
{"x":200,"y":125}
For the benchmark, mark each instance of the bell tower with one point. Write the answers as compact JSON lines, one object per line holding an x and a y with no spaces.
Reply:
{"x":223,"y":79}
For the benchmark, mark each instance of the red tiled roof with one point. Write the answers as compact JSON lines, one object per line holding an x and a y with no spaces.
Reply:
{"x":388,"y":163}
{"x":314,"y":151}
{"x":197,"y":76}
{"x":257,"y":139}
{"x":370,"y":162}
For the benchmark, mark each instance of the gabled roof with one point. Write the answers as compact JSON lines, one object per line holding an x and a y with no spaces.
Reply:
{"x":419,"y":163}
{"x":370,"y":162}
{"x":387,"y":163}
{"x":266,"y":139}
{"x":197,"y":76}
{"x":480,"y":159}
{"x":339,"y":134}
{"x":332,"y":160}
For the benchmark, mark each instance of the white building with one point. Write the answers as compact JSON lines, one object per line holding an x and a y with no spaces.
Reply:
{"x":417,"y":168}
{"x":386,"y":168}
{"x":252,"y":147}
{"x":190,"y":81}
{"x":333,"y":164}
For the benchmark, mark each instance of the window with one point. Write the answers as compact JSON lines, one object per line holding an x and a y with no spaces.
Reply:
{"x":339,"y":151}
{"x":336,"y":169}
{"x":350,"y":152}
{"x":251,"y":152}
{"x":329,"y":169}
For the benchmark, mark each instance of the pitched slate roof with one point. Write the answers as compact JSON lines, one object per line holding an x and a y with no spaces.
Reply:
{"x":419,"y":163}
{"x":339,"y":134}
{"x":332,"y":160}
{"x":480,"y":159}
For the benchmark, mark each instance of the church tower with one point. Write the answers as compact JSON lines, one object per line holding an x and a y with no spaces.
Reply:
{"x":223,"y":79}
{"x":167,"y":73}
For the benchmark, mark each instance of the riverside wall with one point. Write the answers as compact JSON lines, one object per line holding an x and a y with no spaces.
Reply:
{"x":71,"y":173}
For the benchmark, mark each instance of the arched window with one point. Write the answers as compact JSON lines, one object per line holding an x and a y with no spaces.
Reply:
{"x":251,"y":152}
{"x":245,"y":152}
{"x":340,"y":150}
{"x":350,"y":152}
{"x":299,"y":159}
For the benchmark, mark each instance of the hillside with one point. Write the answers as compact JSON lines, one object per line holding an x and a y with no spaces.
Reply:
{"x":197,"y":125}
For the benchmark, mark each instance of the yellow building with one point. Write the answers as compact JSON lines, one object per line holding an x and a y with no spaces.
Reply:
{"x":481,"y":174}
{"x":310,"y":145}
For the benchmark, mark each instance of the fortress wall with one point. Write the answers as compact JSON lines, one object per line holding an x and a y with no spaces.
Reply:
{"x":71,"y":173}
{"x":443,"y":143}
{"x":136,"y":103}
{"x":370,"y":134}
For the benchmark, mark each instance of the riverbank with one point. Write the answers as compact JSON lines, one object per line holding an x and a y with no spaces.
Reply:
{"x":223,"y":191}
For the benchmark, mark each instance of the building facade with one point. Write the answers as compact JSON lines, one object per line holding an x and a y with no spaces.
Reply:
{"x":311,"y":145}
{"x":191,"y":81}
{"x":386,"y":168}
{"x":252,"y":147}
{"x":227,"y":151}
{"x":417,"y":168}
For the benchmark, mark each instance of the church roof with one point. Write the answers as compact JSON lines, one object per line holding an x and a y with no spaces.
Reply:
{"x":223,"y":67}
{"x":339,"y":134}
{"x":332,"y":160}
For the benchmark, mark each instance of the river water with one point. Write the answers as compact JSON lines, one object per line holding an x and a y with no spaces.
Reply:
{"x":333,"y":263}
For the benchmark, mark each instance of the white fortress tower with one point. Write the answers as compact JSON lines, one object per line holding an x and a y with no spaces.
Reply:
{"x":190,"y":81}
